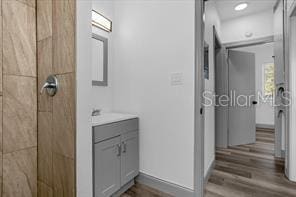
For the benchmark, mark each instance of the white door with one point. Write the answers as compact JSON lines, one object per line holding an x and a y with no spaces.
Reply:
{"x":242,"y":114}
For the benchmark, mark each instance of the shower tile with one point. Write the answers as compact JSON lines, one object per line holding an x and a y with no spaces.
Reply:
{"x":44,"y":19}
{"x":1,"y":166}
{"x":1,"y":55}
{"x":20,"y":174}
{"x":64,"y":178}
{"x":19,"y":39}
{"x":44,"y":190}
{"x":19,"y":113}
{"x":30,"y":3}
{"x":1,"y":175}
{"x":64,"y":116}
{"x":44,"y":70}
{"x":1,"y":129}
{"x":63,"y":36}
{"x":45,"y":147}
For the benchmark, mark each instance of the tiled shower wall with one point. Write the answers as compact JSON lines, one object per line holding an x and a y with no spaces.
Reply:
{"x":56,"y":115}
{"x":19,"y":99}
{"x":29,"y":53}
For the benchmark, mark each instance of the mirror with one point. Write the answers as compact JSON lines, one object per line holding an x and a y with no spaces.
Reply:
{"x":99,"y":60}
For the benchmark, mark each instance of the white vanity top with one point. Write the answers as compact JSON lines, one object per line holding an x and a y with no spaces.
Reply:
{"x":106,"y":118}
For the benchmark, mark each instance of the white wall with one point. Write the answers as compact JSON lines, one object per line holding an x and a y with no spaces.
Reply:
{"x":212,"y":19}
{"x":152,"y":42}
{"x":260,"y":24}
{"x":290,"y":3}
{"x":292,"y":108}
{"x":263,"y":54}
{"x":102,"y":95}
{"x":83,"y":105}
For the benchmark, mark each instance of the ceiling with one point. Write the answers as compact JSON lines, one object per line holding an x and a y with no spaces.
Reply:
{"x":226,"y":7}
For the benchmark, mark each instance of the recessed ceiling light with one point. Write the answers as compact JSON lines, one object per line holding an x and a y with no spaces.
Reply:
{"x":241,"y":6}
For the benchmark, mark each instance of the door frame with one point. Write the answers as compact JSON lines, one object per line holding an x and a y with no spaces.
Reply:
{"x":251,"y":42}
{"x":220,"y":117}
{"x":290,"y":78}
{"x":216,"y":40}
{"x":198,"y":175}
{"x":248,"y":43}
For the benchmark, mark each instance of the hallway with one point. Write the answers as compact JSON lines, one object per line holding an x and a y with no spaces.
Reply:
{"x":250,"y":170}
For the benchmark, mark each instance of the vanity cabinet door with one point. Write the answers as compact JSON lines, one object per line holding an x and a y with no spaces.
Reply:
{"x":107,"y":167}
{"x":129,"y":156}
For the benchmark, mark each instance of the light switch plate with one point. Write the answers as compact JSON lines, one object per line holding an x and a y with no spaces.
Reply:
{"x":176,"y":79}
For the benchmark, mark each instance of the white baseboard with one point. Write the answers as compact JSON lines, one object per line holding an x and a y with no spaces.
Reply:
{"x":209,"y":171}
{"x":267,"y":126}
{"x":164,"y":186}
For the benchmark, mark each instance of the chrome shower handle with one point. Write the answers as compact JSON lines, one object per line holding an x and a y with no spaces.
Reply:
{"x":51,"y":85}
{"x":46,"y":85}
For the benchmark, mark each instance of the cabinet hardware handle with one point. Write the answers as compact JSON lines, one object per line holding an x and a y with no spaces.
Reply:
{"x":123,"y":147}
{"x":118,"y":150}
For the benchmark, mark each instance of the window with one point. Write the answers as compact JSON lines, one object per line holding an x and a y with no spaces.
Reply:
{"x":268,"y":79}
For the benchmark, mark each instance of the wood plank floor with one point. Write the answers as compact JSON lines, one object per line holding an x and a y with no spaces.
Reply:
{"x":250,"y":170}
{"x":139,"y":190}
{"x":241,"y":171}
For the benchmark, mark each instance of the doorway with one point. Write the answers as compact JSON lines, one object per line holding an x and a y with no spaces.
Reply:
{"x":266,"y":128}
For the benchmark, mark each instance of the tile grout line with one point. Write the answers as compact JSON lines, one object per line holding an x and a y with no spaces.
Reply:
{"x":16,"y":75}
{"x":37,"y":95}
{"x":52,"y":62}
{"x":21,"y":149}
{"x":45,"y":38}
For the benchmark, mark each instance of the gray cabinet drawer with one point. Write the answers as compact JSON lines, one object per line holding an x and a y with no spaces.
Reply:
{"x":107,"y":131}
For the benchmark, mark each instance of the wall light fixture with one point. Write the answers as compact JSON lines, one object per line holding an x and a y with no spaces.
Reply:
{"x":101,"y":21}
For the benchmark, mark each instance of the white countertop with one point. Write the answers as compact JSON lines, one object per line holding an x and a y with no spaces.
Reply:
{"x":106,"y":118}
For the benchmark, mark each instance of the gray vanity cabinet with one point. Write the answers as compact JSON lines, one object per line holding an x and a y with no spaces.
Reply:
{"x":116,"y":156}
{"x":107,"y":163}
{"x":129,"y":157}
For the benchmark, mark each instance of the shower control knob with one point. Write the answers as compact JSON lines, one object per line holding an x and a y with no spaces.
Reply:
{"x":51,"y":85}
